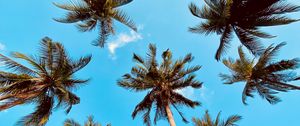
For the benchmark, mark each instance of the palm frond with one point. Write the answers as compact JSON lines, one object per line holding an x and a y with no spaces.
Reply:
{"x":138,"y":59}
{"x":274,"y":20}
{"x":268,"y":55}
{"x":13,"y":65}
{"x":41,"y":115}
{"x":73,"y":6}
{"x":224,"y":42}
{"x":217,"y":121}
{"x":195,"y":10}
{"x":81,"y":63}
{"x":207,"y":118}
{"x":66,"y":99}
{"x":267,"y":94}
{"x":280,"y":8}
{"x":118,"y":3}
{"x":283,"y":65}
{"x":152,"y":56}
{"x":208,"y":121}
{"x":159,"y":111}
{"x":249,"y":41}
{"x":73,"y":17}
{"x":134,"y":84}
{"x":178,"y":99}
{"x":105,"y":31}
{"x":206,"y":28}
{"x":258,"y":33}
{"x":144,"y":107}
{"x":31,"y":61}
{"x":9,"y":104}
{"x":124,"y":19}
{"x":247,"y":92}
{"x":232,"y":120}
{"x":71,"y":122}
{"x":189,"y":81}
{"x":87,"y":25}
{"x":228,"y":79}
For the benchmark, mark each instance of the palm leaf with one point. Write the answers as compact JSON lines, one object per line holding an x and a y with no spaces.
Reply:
{"x":124,"y":19}
{"x":71,"y":122}
{"x":11,"y":64}
{"x":118,"y":3}
{"x":224,"y":43}
{"x":73,"y":6}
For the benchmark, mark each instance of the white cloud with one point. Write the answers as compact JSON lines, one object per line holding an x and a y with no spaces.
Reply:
{"x":121,"y":40}
{"x":2,"y":47}
{"x":203,"y":94}
{"x":188,"y":92}
{"x":206,"y":94}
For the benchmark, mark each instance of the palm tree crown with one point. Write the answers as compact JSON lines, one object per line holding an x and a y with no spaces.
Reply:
{"x":163,"y":80}
{"x":50,"y":79}
{"x":265,"y":76}
{"x":208,"y":121}
{"x":96,"y":13}
{"x":243,"y":17}
{"x":89,"y":122}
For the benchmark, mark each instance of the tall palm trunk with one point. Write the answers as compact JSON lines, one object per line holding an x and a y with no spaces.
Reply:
{"x":170,"y":116}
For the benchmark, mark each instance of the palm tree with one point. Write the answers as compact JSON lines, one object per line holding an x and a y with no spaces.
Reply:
{"x":265,"y":77}
{"x":50,"y":79}
{"x":208,"y":121}
{"x":96,"y":13}
{"x":242,"y":17}
{"x":163,"y":80}
{"x":89,"y":122}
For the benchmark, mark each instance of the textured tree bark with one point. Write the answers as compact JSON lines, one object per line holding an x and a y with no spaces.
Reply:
{"x":170,"y":116}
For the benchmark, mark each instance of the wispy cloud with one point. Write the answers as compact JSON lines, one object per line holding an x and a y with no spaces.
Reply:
{"x":122,"y":40}
{"x":204,"y":94}
{"x":188,"y":92}
{"x":2,"y":46}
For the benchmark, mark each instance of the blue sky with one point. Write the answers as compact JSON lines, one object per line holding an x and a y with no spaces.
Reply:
{"x":163,"y":22}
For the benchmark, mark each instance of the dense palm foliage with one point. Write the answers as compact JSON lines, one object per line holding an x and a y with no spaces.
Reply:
{"x":50,"y":79}
{"x":89,"y":122}
{"x":208,"y":121}
{"x":266,"y":77}
{"x":96,"y":13}
{"x":242,"y":17}
{"x":163,"y":80}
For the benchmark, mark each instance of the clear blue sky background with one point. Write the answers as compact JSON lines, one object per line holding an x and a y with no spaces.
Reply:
{"x":163,"y":22}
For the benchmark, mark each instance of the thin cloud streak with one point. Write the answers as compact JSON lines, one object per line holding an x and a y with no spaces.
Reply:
{"x":203,"y":94}
{"x":2,"y":46}
{"x":122,"y":40}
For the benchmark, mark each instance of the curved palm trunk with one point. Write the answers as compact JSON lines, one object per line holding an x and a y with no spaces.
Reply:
{"x":170,"y":116}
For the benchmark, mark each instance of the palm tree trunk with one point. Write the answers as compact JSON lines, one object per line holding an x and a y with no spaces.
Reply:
{"x":170,"y":116}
